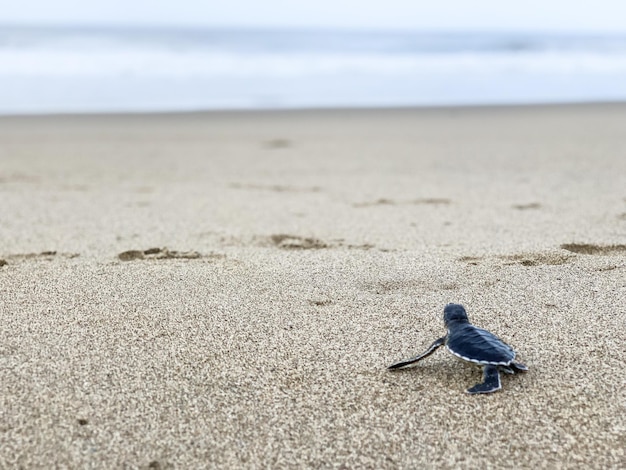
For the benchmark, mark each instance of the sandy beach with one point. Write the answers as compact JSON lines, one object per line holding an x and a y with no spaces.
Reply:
{"x":226,"y":290}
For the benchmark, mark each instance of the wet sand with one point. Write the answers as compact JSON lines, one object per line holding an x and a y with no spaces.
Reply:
{"x":226,"y":289}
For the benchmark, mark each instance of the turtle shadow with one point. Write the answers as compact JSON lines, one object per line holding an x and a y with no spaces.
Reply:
{"x":437,"y":373}
{"x":449,"y":375}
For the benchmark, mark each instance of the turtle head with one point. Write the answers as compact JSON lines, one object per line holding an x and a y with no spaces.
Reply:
{"x":454,"y":313}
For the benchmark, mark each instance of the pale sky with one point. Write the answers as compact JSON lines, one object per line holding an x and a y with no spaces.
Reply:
{"x":526,"y":15}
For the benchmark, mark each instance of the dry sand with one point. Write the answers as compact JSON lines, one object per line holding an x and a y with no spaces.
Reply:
{"x":273,"y":264}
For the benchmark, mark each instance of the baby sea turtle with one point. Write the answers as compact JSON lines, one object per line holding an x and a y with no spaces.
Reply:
{"x":472,"y":344}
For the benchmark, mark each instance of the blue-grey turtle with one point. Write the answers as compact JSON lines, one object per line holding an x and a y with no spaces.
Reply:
{"x":472,"y":344}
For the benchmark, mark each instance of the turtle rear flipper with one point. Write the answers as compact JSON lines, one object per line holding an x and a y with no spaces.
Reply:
{"x":513,"y":368}
{"x":413,"y":360}
{"x":490,"y":383}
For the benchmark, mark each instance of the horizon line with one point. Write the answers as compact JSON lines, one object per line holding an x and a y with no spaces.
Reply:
{"x":143,"y":26}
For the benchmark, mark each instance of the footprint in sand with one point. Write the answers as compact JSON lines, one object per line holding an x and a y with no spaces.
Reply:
{"x":276,"y":188}
{"x":525,"y":259}
{"x":391,"y":202}
{"x":157,"y":254}
{"x":277,"y":144}
{"x":525,"y":207}
{"x":294,"y":242}
{"x":536,"y":259}
{"x":591,"y":249}
{"x":44,"y":255}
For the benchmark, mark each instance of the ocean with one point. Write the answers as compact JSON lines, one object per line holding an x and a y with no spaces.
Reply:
{"x":96,"y":69}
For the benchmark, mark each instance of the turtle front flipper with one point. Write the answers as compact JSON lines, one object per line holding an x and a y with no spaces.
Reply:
{"x":413,"y":360}
{"x":491,"y":381}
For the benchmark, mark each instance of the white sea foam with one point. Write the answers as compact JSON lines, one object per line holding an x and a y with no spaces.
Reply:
{"x":150,"y":63}
{"x":98,"y":70}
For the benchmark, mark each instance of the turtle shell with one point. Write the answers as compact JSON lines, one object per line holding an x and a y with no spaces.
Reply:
{"x":476,"y":345}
